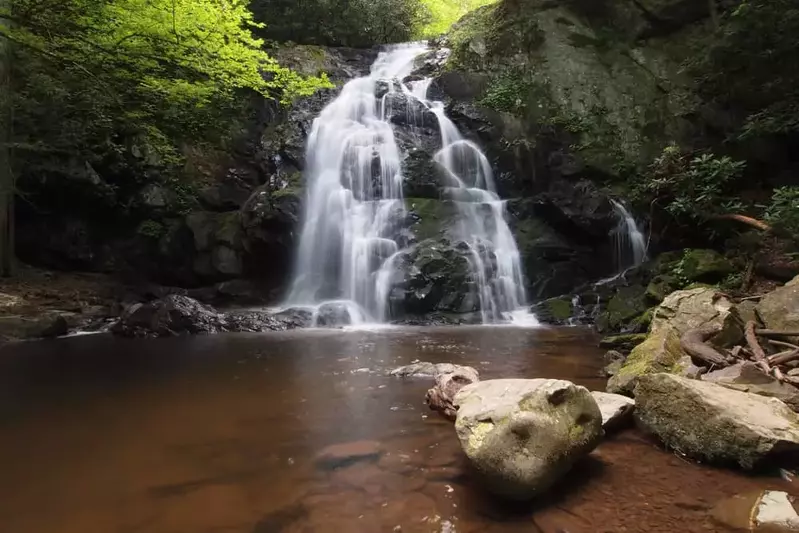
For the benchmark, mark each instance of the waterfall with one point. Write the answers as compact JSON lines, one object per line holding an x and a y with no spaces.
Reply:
{"x":630,"y":241}
{"x":494,"y":257}
{"x":354,"y":212}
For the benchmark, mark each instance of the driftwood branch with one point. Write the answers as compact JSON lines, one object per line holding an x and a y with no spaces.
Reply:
{"x":693,"y":342}
{"x":743,"y":219}
{"x":776,"y":333}
{"x":784,"y":344}
{"x":754,"y":345}
{"x":783,"y":357}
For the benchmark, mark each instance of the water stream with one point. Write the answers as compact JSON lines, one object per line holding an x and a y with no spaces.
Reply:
{"x":353,"y":227}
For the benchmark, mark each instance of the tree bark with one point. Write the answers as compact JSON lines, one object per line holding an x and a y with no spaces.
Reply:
{"x":6,"y":173}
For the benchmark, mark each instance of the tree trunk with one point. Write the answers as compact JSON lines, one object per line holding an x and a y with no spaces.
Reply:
{"x":6,"y":173}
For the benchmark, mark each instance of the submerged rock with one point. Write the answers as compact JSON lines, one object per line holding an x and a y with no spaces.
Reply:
{"x":337,"y":455}
{"x":617,"y":410}
{"x":424,"y":369}
{"x":758,"y":512}
{"x":716,"y":424}
{"x":522,"y":435}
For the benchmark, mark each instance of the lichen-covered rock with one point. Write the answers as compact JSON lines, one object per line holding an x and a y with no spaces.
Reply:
{"x":779,"y":309}
{"x":557,"y":311}
{"x":623,"y":342}
{"x":660,"y":352}
{"x":522,"y":435}
{"x":627,"y":304}
{"x":716,"y":424}
{"x":690,"y":309}
{"x":707,"y":266}
{"x":616,"y":410}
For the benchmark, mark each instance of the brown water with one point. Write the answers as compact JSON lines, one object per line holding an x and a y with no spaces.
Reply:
{"x":219,"y":434}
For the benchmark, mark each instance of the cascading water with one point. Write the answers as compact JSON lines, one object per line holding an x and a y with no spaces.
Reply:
{"x":352,"y":230}
{"x":631,"y":245}
{"x":494,"y":257}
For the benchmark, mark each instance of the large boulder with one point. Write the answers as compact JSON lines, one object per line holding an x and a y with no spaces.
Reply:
{"x":716,"y":424}
{"x":180,"y":315}
{"x":172,"y":315}
{"x":779,"y":309}
{"x":661,"y":351}
{"x":523,"y":435}
{"x":617,"y":410}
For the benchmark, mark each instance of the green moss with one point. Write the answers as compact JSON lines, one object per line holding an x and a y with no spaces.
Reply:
{"x":434,"y":217}
{"x":151,"y":229}
{"x":560,"y":308}
{"x":625,"y":342}
{"x":705,"y":265}
{"x":661,"y":286}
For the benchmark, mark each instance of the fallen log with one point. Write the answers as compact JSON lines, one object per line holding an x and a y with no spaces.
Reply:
{"x":693,"y":342}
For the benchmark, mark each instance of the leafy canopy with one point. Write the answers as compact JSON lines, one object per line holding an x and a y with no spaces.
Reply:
{"x":445,"y":13}
{"x":185,"y":51}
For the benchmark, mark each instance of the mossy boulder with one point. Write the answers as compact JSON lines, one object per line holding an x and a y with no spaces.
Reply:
{"x":715,"y":424}
{"x":661,"y":286}
{"x":627,"y":304}
{"x":707,"y":266}
{"x":661,"y":351}
{"x":522,"y":435}
{"x":623,"y":342}
{"x":555,"y":311}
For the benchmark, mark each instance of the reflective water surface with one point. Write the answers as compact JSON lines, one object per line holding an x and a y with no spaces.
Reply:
{"x":219,"y":434}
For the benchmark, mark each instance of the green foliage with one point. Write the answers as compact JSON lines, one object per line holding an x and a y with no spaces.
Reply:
{"x":110,"y":95}
{"x":357,"y":23}
{"x":508,"y":92}
{"x":752,"y":67}
{"x":783,"y":211}
{"x":689,"y":187}
{"x":444,"y":13}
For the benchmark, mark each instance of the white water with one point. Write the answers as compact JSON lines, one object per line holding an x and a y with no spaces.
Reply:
{"x":350,"y":236}
{"x":631,"y":247}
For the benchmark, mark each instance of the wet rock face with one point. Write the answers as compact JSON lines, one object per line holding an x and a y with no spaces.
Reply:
{"x":434,"y":276}
{"x":181,"y":315}
{"x":523,"y":435}
{"x":716,"y":424}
